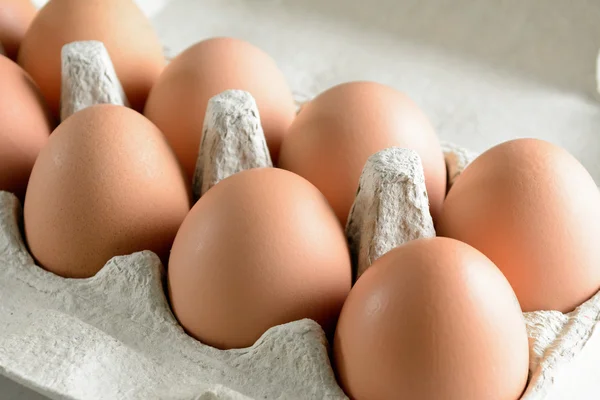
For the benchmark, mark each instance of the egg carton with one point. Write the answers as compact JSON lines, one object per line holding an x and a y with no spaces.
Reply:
{"x":113,"y":336}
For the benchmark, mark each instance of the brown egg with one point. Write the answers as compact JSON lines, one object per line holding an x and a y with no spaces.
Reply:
{"x":25,"y":125}
{"x":15,"y":17}
{"x":259,"y":249}
{"x":106,"y":184}
{"x":127,"y":34}
{"x":534,"y":210}
{"x":177,"y":103}
{"x":432,"y":319}
{"x":334,"y":135}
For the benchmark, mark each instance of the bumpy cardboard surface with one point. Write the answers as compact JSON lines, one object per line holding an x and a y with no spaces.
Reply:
{"x":88,"y":77}
{"x":391,"y":207}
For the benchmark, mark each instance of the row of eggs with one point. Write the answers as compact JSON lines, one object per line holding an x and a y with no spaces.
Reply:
{"x":266,"y":246}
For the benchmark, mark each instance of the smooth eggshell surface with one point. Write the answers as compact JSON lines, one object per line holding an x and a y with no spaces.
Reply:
{"x":334,"y":135}
{"x":259,"y":249}
{"x":131,"y":42}
{"x":25,"y":125}
{"x":15,"y":17}
{"x":177,"y":103}
{"x":534,"y":210}
{"x":432,"y":319}
{"x":106,"y":184}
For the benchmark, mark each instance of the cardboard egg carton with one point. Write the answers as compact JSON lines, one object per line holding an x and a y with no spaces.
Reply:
{"x":113,"y":336}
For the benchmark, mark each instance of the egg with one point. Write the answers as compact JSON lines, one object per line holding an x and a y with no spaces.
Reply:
{"x":177,"y":103}
{"x":106,"y":184}
{"x":534,"y":210}
{"x":334,"y":135}
{"x":432,"y":319}
{"x":259,"y":249}
{"x":15,"y":17}
{"x":131,"y":42}
{"x":25,"y":124}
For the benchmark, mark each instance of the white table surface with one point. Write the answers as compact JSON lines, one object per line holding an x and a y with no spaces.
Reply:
{"x":483,"y":70}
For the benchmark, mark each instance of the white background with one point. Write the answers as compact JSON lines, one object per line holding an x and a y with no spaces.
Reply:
{"x":483,"y":70}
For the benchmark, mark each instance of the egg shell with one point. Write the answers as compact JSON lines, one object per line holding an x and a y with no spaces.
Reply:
{"x":259,"y":249}
{"x":335,"y":133}
{"x":106,"y":184}
{"x":534,"y":210}
{"x":177,"y":103}
{"x":25,"y":124}
{"x":15,"y":17}
{"x":129,"y":37}
{"x":432,"y":319}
